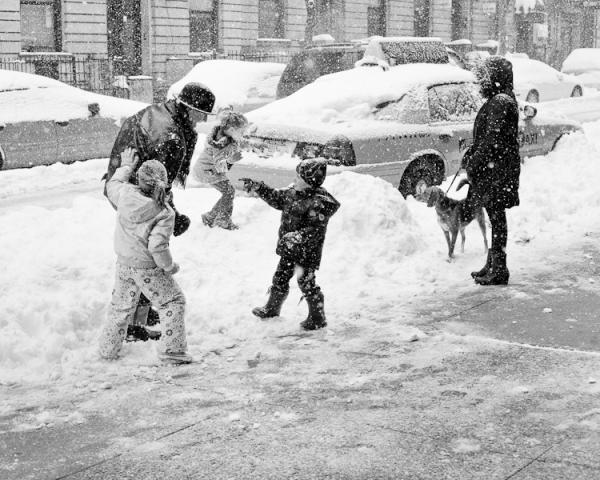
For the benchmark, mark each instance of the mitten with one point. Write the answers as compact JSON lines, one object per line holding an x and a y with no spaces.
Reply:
{"x":250,"y":185}
{"x":173,"y":269}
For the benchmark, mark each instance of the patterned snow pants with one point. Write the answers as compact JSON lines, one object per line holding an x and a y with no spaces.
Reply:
{"x":165,"y":295}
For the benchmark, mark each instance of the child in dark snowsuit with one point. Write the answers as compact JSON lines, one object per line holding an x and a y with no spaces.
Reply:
{"x":306,"y":208}
{"x":220,"y":152}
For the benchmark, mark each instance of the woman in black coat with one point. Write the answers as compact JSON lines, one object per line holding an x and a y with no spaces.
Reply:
{"x":493,"y":163}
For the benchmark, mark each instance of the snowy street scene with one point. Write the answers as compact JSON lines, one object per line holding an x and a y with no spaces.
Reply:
{"x":299,"y":240}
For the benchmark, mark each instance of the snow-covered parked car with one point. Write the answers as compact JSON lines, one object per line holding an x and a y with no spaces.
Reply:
{"x":44,"y":121}
{"x":537,"y":81}
{"x":584,"y":64}
{"x":244,"y":85}
{"x":409,"y":125}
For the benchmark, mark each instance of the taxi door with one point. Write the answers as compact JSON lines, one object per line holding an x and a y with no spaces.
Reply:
{"x":452,"y":110}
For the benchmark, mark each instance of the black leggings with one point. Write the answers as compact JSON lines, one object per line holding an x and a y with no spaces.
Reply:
{"x":499,"y":229}
{"x":306,"y":278}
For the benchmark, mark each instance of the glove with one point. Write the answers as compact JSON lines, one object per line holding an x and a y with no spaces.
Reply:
{"x":173,"y":269}
{"x":250,"y":185}
{"x":291,"y":239}
{"x":182,"y":223}
{"x":462,"y":183}
{"x":129,"y":157}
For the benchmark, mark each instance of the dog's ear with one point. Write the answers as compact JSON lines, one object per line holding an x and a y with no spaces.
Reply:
{"x":433,"y":196}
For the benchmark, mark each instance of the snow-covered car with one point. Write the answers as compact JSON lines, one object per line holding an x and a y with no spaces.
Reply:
{"x":584,"y":64}
{"x":44,"y":121}
{"x":409,"y":125}
{"x":244,"y":85}
{"x":537,"y":81}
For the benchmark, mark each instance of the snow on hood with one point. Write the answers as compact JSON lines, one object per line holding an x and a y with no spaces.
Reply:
{"x":28,"y":98}
{"x":352,"y":94}
{"x":582,"y":60}
{"x":234,"y":82}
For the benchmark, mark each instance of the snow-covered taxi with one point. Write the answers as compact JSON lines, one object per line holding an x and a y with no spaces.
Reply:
{"x":409,"y":125}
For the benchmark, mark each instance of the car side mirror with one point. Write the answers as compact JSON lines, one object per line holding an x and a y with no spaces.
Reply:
{"x":94,"y":109}
{"x":529,"y":112}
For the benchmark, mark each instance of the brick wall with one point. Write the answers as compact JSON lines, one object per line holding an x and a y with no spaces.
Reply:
{"x":84,"y":26}
{"x":400,"y":18}
{"x":170,"y":33}
{"x":10,"y":27}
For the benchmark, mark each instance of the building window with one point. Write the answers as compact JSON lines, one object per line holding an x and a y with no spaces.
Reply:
{"x":376,"y":19}
{"x":204,"y":25}
{"x":422,"y":8}
{"x":40,"y":25}
{"x":270,"y":19}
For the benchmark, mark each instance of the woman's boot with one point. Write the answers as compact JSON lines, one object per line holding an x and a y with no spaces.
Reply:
{"x":273,"y":305}
{"x":486,"y":267}
{"x":316,"y":312}
{"x":498,"y":273}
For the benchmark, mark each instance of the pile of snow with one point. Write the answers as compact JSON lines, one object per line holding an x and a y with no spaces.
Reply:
{"x":27,"y":97}
{"x":381,"y":254}
{"x":234,"y":82}
{"x":352,"y":94}
{"x":582,"y":60}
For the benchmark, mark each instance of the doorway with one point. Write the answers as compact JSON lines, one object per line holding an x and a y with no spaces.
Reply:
{"x":124,"y":23}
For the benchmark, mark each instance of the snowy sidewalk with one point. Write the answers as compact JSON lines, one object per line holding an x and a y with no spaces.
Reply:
{"x":453,"y":405}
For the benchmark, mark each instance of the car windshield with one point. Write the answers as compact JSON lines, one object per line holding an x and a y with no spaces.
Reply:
{"x":453,"y":102}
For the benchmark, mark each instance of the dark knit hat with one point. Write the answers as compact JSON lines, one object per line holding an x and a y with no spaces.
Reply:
{"x":312,"y":171}
{"x":197,"y":97}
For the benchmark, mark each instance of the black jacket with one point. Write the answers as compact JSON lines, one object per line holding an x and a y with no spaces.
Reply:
{"x":304,"y":213}
{"x":493,"y":163}
{"x":157,"y":132}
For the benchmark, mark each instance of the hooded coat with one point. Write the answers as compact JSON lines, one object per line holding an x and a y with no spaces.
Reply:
{"x":304,"y":218}
{"x":493,"y":163}
{"x":143,"y":227}
{"x":157,"y":132}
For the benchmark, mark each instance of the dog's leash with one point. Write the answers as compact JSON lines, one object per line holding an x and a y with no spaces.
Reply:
{"x":452,"y":182}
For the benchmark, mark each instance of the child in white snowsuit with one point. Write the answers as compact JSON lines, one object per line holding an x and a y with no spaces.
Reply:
{"x":145,"y":222}
{"x":221,"y":151}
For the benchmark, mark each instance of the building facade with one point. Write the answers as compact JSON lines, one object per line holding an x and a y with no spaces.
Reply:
{"x":143,"y":34}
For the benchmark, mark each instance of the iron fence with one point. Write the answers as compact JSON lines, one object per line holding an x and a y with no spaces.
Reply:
{"x":108,"y":76}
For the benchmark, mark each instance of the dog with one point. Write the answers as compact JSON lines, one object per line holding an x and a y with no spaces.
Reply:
{"x":452,"y":217}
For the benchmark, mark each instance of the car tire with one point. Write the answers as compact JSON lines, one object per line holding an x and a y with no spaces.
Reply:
{"x":532,"y":96}
{"x":419,"y":175}
{"x":577,"y":91}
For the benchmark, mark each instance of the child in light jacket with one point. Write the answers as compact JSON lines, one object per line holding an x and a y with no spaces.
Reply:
{"x":221,"y":151}
{"x":145,"y":223}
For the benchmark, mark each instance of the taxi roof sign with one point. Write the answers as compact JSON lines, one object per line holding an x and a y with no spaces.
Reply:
{"x":402,"y":50}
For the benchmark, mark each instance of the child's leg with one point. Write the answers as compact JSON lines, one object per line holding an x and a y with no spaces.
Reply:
{"x":120,"y":312}
{"x":278,"y":291}
{"x":166,"y":296}
{"x":224,"y":206}
{"x":314,"y":299}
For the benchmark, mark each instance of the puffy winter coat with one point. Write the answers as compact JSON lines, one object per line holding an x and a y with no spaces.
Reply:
{"x":304,"y":218}
{"x":493,"y":163}
{"x":157,"y":132}
{"x":216,"y":158}
{"x":143,"y":228}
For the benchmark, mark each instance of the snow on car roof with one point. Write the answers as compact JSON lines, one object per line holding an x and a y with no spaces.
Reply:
{"x":27,"y":97}
{"x":234,"y":82}
{"x":352,"y":94}
{"x":582,"y":60}
{"x":528,"y":70}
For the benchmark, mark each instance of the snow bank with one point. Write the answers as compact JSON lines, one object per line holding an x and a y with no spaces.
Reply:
{"x":235,"y":82}
{"x":381,"y":255}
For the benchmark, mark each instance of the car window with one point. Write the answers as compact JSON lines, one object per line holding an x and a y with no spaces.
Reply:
{"x":410,"y":108}
{"x":452,"y":102}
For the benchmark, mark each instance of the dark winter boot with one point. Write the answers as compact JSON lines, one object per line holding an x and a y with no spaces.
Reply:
{"x":316,"y":313}
{"x":486,"y":267}
{"x":498,"y":273}
{"x":273,"y":305}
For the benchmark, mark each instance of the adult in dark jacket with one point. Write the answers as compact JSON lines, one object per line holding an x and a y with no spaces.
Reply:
{"x":306,"y":208}
{"x":493,"y":163}
{"x":163,"y":132}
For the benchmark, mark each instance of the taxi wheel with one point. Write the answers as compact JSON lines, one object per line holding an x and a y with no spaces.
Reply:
{"x":415,"y":180}
{"x":577,"y":92}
